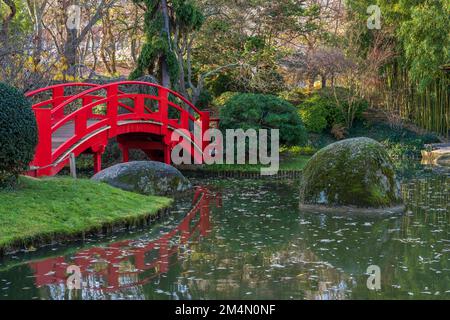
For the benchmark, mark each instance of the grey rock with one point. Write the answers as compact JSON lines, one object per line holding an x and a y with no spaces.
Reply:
{"x":145,"y":177}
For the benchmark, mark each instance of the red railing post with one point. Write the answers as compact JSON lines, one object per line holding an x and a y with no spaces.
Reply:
{"x":139,"y":104}
{"x":43,"y":154}
{"x":81,"y":123}
{"x":205,"y":123}
{"x":112,"y":108}
{"x":184,"y":119}
{"x":58,"y":97}
{"x":85,"y":101}
{"x":164,"y":108}
{"x":163,"y":95}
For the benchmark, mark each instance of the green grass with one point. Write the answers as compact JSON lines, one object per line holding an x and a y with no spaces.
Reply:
{"x":288,"y":161}
{"x":43,"y":209}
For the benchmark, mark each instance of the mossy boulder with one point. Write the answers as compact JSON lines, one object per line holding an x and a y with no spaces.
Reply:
{"x":145,"y":177}
{"x":354,"y":172}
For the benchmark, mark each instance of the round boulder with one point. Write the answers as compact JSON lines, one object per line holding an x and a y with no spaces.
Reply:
{"x":353,"y":172}
{"x":145,"y":177}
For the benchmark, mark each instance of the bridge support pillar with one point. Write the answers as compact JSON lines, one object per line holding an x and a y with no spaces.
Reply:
{"x":167,"y":150}
{"x":167,"y":154}
{"x":125,"y":152}
{"x":97,"y":162}
{"x":98,"y":158}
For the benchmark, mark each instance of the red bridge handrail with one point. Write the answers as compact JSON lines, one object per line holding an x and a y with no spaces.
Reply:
{"x":50,"y":120}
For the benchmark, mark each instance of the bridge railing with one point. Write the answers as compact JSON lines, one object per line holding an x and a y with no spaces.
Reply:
{"x":80,"y":108}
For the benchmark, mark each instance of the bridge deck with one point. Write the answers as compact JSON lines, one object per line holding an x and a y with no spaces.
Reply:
{"x":66,"y":132}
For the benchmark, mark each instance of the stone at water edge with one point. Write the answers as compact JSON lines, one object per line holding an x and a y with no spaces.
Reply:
{"x":145,"y":177}
{"x":444,"y":160}
{"x":353,"y":172}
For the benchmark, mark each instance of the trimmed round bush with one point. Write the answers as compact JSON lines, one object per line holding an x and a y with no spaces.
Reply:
{"x":18,"y":134}
{"x":259,"y":111}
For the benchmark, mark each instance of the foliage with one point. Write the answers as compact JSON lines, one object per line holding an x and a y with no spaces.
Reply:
{"x":257,"y":111}
{"x":294,"y":96}
{"x":43,"y":209}
{"x":329,"y":107}
{"x":159,"y":48}
{"x":399,"y":142}
{"x":410,"y":81}
{"x":314,"y":113}
{"x":426,"y":40}
{"x":223,"y":98}
{"x":349,"y":106}
{"x":204,"y":100}
{"x":18,"y":134}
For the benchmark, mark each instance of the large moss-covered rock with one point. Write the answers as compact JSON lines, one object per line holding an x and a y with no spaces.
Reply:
{"x":145,"y":177}
{"x":353,"y":172}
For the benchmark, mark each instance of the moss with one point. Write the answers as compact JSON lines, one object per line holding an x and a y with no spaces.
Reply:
{"x":350,"y":172}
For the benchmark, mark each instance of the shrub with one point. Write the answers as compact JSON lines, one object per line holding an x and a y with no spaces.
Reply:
{"x":327,"y":108}
{"x":399,"y":143}
{"x":223,"y":98}
{"x":314,"y":113}
{"x":294,"y":96}
{"x":258,"y":111}
{"x":204,"y":100}
{"x":348,"y":109}
{"x":18,"y":134}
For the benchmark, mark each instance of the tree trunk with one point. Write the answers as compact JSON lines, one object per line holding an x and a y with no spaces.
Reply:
{"x":4,"y":27}
{"x":165,"y":75}
{"x":324,"y":81}
{"x":70,"y":51}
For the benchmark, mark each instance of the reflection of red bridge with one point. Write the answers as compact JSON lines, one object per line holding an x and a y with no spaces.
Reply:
{"x":153,"y":256}
{"x":75,"y":118}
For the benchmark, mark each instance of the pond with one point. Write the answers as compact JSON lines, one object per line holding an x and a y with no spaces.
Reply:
{"x":242,"y":239}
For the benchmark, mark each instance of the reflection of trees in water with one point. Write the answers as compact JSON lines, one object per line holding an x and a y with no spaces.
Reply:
{"x":260,"y":244}
{"x":428,"y":195}
{"x":411,"y":249}
{"x":255,"y":250}
{"x":270,"y":273}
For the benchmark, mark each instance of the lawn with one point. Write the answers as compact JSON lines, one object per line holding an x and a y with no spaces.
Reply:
{"x":54,"y":207}
{"x":290,"y":160}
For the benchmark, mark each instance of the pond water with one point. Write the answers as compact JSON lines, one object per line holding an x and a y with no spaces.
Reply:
{"x":241,"y":239}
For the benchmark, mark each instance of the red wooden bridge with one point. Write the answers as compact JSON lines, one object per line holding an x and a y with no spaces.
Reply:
{"x":76,"y":118}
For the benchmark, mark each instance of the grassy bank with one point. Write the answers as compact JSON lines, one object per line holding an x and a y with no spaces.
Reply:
{"x":291,"y":159}
{"x":61,"y":207}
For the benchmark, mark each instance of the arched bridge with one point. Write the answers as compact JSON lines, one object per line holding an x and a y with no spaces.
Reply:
{"x":76,"y":118}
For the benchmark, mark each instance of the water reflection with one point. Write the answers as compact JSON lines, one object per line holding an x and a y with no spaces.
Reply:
{"x":126,"y":266}
{"x":247,"y":240}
